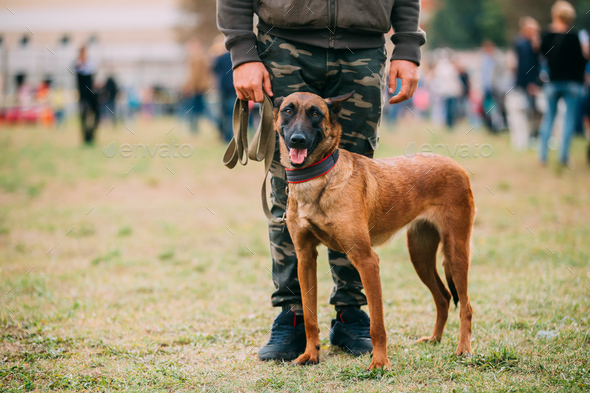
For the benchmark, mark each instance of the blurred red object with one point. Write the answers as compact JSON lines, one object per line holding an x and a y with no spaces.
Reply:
{"x":16,"y":115}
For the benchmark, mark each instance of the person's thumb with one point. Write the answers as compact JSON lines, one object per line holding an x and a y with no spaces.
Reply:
{"x":267,"y":84}
{"x":392,"y":81}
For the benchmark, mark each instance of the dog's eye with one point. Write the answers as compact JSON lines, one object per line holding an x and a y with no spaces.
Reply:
{"x":288,"y":111}
{"x":315,"y":114}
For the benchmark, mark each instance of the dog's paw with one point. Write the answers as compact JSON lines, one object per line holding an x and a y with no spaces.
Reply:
{"x":380,"y":363}
{"x":464,"y":349}
{"x":428,"y":339}
{"x":306,"y":359}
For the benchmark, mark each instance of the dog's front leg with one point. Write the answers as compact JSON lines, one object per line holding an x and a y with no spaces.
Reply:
{"x":306,"y":249}
{"x":366,"y":261}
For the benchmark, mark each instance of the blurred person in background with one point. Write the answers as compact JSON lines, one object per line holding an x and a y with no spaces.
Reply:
{"x":566,"y":61}
{"x":586,"y":112}
{"x":436,"y":108}
{"x":44,"y":110}
{"x":586,"y":109}
{"x":222,"y":67}
{"x":450,"y":87}
{"x":24,"y":94}
{"x":197,"y":85}
{"x":463,"y":104}
{"x":585,"y":42}
{"x":492,"y":75}
{"x":89,"y":117}
{"x":108,"y":98}
{"x":421,"y":98}
{"x":147,"y":106}
{"x":58,"y":104}
{"x":305,"y":50}
{"x":132,"y":103}
{"x":521,"y":102}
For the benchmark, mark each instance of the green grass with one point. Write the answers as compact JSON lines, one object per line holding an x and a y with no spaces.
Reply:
{"x":155,"y":288}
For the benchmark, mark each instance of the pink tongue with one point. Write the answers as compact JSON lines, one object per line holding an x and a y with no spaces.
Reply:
{"x":297,"y":155}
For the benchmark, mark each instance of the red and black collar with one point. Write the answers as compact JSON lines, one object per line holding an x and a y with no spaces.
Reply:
{"x":315,"y":170}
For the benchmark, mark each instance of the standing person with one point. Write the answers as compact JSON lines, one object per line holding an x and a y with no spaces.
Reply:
{"x":463,"y":105}
{"x":586,"y":109}
{"x":110,"y":91}
{"x":492,"y":74}
{"x":198,"y":84}
{"x":58,"y":104}
{"x":133,"y":103}
{"x":85,"y":71}
{"x":24,"y":98}
{"x":329,"y":48}
{"x":523,"y":115}
{"x":449,"y":86}
{"x":566,"y":61}
{"x":222,"y":67}
{"x":579,"y":125}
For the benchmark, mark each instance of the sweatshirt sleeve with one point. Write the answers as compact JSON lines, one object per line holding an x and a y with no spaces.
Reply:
{"x":407,"y":36}
{"x":235,"y":19}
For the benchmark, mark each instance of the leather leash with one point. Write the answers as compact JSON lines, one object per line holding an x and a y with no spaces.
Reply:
{"x":262,"y":148}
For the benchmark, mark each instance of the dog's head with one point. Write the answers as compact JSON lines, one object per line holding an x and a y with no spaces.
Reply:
{"x":308,"y":127}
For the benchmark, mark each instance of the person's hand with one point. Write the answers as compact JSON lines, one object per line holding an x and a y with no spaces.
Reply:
{"x":250,"y":79}
{"x":407,"y":71}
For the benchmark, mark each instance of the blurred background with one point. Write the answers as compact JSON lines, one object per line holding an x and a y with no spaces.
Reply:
{"x":152,"y":272}
{"x":140,"y":45}
{"x":163,"y":57}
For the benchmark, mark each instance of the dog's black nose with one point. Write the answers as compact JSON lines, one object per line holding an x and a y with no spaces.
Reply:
{"x":297,"y":141}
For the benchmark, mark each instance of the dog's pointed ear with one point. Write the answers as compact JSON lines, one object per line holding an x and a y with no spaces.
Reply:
{"x":276,"y":105}
{"x":335,"y":103}
{"x":277,"y":102}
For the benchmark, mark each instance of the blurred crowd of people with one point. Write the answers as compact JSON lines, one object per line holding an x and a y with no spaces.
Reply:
{"x":48,"y":103}
{"x":207,"y":93}
{"x":539,"y":90}
{"x":210,"y":70}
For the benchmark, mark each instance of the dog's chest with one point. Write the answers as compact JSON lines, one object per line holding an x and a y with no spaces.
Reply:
{"x":323,"y":236}
{"x":314,"y":220}
{"x":306,"y":210}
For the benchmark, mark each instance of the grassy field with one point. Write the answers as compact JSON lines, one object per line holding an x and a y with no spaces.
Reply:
{"x":151,"y":274}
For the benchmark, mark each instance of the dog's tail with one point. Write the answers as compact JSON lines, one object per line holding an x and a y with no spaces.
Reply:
{"x":450,"y":283}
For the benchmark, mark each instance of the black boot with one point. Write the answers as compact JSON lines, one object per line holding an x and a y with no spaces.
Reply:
{"x":351,"y":331}
{"x":287,"y":337}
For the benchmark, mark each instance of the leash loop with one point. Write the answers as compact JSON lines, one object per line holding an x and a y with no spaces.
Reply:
{"x":261,"y":149}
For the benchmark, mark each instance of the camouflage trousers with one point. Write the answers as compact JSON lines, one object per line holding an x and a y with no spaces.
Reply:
{"x":295,"y":67}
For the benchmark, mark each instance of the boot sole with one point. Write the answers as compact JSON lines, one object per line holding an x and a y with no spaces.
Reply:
{"x":279,"y":356}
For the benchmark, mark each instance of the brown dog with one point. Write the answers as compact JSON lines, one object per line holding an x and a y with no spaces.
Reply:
{"x":359,"y":203}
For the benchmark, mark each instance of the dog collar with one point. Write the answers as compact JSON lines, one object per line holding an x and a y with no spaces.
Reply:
{"x":311,"y":172}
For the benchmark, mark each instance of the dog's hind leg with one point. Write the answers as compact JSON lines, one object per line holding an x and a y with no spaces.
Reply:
{"x":423,"y":240}
{"x":456,"y":252}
